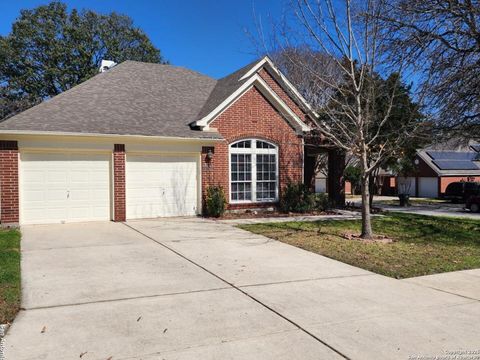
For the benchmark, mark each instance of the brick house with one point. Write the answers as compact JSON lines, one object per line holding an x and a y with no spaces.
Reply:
{"x":146,"y":140}
{"x":435,"y":168}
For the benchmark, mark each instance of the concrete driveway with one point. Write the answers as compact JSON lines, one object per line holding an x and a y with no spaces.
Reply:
{"x":195,"y":289}
{"x":441,"y":209}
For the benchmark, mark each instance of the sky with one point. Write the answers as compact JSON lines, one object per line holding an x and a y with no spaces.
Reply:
{"x":208,"y":36}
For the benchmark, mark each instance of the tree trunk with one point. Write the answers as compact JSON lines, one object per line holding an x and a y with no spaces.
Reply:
{"x":372,"y":187}
{"x":367,"y":232}
{"x":336,"y":182}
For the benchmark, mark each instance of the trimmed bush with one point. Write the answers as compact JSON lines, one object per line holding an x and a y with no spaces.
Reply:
{"x":321,"y":202}
{"x":215,"y":201}
{"x":298,"y":198}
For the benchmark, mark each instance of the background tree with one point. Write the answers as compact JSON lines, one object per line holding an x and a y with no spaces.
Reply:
{"x":440,"y":40}
{"x":294,"y":60}
{"x":50,"y":50}
{"x":353,"y":175}
{"x":352,"y":118}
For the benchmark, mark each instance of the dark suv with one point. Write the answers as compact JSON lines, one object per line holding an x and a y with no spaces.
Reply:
{"x":473,"y":203}
{"x":461,"y":190}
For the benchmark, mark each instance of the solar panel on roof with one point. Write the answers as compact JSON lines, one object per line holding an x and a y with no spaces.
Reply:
{"x":456,"y":165}
{"x":452,"y":155}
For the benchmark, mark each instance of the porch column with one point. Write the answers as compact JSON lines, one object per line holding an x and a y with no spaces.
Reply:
{"x":9,"y":201}
{"x":119,"y":203}
{"x":309,"y":170}
{"x":336,"y":182}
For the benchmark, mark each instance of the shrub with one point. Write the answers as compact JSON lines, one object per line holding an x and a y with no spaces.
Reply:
{"x":353,"y":174}
{"x":297,"y":197}
{"x":215,"y":201}
{"x":321,"y":202}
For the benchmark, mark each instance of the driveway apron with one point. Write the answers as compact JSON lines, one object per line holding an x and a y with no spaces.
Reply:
{"x":189,"y":288}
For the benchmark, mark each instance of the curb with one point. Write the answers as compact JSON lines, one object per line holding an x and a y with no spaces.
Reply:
{"x":3,"y":332}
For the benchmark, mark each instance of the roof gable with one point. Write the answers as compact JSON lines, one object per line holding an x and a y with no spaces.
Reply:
{"x":230,"y":88}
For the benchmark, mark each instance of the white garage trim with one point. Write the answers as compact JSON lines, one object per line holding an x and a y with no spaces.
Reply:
{"x":64,"y":186}
{"x":162,"y":184}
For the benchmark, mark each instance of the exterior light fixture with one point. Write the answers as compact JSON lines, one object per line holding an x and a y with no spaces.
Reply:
{"x":209,"y":154}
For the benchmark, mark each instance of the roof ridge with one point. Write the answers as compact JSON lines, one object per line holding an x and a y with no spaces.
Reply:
{"x":166,"y":65}
{"x":62,"y":94}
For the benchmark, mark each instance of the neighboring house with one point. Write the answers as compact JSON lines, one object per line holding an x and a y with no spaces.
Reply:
{"x":438,"y":167}
{"x":145,"y":140}
{"x":385,"y":182}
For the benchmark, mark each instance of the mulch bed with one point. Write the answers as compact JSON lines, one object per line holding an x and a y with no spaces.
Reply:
{"x":270,"y":214}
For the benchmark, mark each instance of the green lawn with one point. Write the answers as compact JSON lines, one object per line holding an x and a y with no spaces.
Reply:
{"x":423,"y":244}
{"x":9,"y":274}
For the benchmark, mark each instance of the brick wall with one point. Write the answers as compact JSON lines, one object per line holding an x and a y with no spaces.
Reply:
{"x":119,"y":203}
{"x":265,"y":75}
{"x":444,"y":181}
{"x":348,"y":187}
{"x":9,"y":201}
{"x":252,"y":116}
{"x":423,"y":169}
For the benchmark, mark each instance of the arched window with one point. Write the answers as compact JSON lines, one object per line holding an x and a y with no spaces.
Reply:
{"x":253,"y":171}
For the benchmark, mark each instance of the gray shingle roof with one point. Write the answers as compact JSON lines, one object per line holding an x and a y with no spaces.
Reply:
{"x":133,"y":98}
{"x":224,"y":88}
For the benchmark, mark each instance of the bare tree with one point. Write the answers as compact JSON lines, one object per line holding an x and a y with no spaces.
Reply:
{"x":441,"y":41}
{"x":351,"y":117}
{"x":317,"y":92}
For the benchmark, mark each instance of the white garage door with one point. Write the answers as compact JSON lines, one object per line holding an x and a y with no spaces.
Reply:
{"x":406,"y":185}
{"x":428,"y":187}
{"x":64,"y":187}
{"x":160,"y":185}
{"x":320,"y":185}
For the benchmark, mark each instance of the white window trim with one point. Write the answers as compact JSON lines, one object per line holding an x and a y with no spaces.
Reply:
{"x":253,"y":150}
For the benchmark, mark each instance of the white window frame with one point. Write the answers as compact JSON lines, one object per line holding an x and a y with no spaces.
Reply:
{"x":253,"y":151}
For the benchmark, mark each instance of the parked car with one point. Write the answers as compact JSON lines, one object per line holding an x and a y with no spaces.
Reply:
{"x":473,"y":203}
{"x":461,"y":190}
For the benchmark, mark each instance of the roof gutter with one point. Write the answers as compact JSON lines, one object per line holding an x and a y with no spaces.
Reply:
{"x":145,"y":137}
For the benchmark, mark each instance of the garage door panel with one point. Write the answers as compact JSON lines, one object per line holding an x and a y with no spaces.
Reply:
{"x":64,"y":187}
{"x":161,"y":186}
{"x":428,"y":187}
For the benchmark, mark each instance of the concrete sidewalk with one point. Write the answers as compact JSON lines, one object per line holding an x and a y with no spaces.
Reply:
{"x":433,"y":211}
{"x":340,"y":215}
{"x":197,"y":289}
{"x":441,"y":209}
{"x":463,"y":283}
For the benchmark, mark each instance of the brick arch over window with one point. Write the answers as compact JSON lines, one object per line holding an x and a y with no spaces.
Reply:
{"x":252,"y":116}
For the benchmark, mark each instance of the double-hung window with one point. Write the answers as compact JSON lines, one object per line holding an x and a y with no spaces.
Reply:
{"x":253,"y":171}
